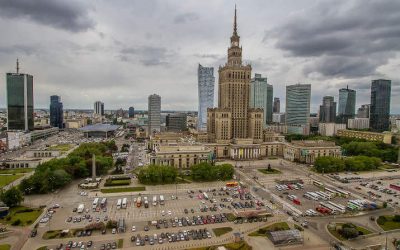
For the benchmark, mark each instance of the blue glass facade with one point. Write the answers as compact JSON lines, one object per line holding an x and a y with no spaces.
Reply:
{"x":56,"y":112}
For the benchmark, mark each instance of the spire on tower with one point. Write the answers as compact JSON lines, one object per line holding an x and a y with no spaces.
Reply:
{"x":235,"y":24}
{"x":17,"y":66}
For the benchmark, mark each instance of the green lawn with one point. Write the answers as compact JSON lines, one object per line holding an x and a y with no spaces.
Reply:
{"x":7,"y":179}
{"x":16,"y":171}
{"x":61,"y":147}
{"x":279,"y":226}
{"x":387,"y":223}
{"x":120,"y":243}
{"x":56,"y":234}
{"x":5,"y":247}
{"x":123,"y":189}
{"x":26,"y":218}
{"x":117,"y":183}
{"x":242,"y":245}
{"x":222,"y":230}
{"x":335,"y":233}
{"x":272,"y":171}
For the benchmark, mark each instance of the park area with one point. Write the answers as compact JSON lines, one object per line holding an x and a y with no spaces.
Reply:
{"x":389,"y":222}
{"x":6,"y":179}
{"x":345,"y":231}
{"x":21,"y":216}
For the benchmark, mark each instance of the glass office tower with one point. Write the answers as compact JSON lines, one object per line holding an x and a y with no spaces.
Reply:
{"x":206,"y":82}
{"x":56,"y":112}
{"x":347,"y":105}
{"x":261,"y":96}
{"x":20,"y":101}
{"x":380,"y":104}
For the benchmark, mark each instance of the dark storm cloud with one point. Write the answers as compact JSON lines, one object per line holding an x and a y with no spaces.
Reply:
{"x":186,"y":17}
{"x":147,"y":55}
{"x":345,"y":38}
{"x":68,"y":15}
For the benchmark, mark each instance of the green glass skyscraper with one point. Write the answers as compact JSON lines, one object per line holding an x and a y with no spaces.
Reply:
{"x":261,"y":96}
{"x":380,"y":104}
{"x":20,"y":101}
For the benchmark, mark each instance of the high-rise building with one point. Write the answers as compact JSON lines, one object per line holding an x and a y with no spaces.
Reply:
{"x":56,"y":112}
{"x":99,"y":108}
{"x":233,"y":118}
{"x":327,"y":111}
{"x":298,"y":107}
{"x":154,"y":116}
{"x":176,"y":122}
{"x":347,"y":104}
{"x":261,"y":94}
{"x":131,"y":112}
{"x":363,"y":111}
{"x":380,"y":104}
{"x":19,"y":101}
{"x":277,"y":105}
{"x":206,"y":82}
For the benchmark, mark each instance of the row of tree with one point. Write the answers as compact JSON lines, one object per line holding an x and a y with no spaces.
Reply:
{"x":155,"y":174}
{"x":381,"y":150}
{"x":56,"y":173}
{"x":329,"y":164}
{"x":207,"y":172}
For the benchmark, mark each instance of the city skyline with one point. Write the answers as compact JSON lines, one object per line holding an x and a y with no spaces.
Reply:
{"x":88,"y":35}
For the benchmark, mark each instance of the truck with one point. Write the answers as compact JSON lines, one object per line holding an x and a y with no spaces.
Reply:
{"x":162,"y":201}
{"x":81,"y":207}
{"x":119,"y":203}
{"x":155,"y":200}
{"x":139,"y":201}
{"x":124,"y":202}
{"x":95,"y":203}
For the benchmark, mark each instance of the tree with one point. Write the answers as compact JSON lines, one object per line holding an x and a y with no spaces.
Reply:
{"x":12,"y":197}
{"x":269,"y":168}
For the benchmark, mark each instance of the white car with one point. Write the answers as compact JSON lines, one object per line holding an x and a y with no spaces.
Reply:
{"x":162,"y":212}
{"x":169,"y":212}
{"x":113,"y":231}
{"x":133,"y":228}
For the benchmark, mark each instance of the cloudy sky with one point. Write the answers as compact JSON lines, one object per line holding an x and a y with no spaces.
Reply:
{"x":121,"y":51}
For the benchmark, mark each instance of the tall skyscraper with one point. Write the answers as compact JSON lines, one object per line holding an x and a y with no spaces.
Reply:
{"x":154,"y":109}
{"x":19,"y":101}
{"x":327,"y":111}
{"x":233,"y":118}
{"x":261,"y":94}
{"x":56,"y":111}
{"x":380,"y":104}
{"x":131,"y":112}
{"x":277,"y":105}
{"x":363,"y":111}
{"x":298,"y":106}
{"x":99,"y":108}
{"x":206,"y":82}
{"x":347,"y":104}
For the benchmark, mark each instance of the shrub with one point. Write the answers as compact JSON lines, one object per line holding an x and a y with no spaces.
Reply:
{"x":16,"y":222}
{"x":381,"y":220}
{"x":396,"y":218}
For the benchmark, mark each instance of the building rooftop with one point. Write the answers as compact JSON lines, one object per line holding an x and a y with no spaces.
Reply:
{"x":100,"y":127}
{"x":311,"y":143}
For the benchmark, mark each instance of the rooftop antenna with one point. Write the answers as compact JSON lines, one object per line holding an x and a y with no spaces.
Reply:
{"x":17,"y":66}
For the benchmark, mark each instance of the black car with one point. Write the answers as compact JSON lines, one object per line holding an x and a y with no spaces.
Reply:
{"x":89,"y":244}
{"x":33,"y":233}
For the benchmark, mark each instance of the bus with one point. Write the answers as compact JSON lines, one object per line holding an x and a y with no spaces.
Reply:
{"x":340,"y":208}
{"x":318,"y":184}
{"x":232,"y":184}
{"x":332,"y":208}
{"x":139,"y":201}
{"x":314,"y":196}
{"x":103,"y":203}
{"x":124,"y":201}
{"x":343,"y":193}
{"x":162,"y":201}
{"x":119,"y":203}
{"x":333,"y":192}
{"x":154,"y":200}
{"x":95,"y":203}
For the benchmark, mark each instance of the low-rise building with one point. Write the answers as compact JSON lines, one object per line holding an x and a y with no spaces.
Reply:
{"x":22,"y":163}
{"x":308,"y":151}
{"x":37,"y":153}
{"x":385,"y":137}
{"x":180,"y":156}
{"x":330,"y":129}
{"x":358,"y":123}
